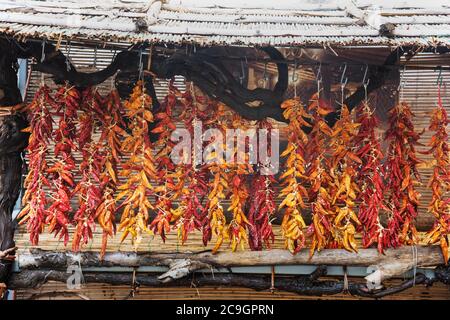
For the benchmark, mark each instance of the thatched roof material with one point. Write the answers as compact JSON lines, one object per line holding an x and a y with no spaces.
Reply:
{"x":232,"y":22}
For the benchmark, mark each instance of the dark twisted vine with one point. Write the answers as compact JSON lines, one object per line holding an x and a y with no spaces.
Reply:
{"x":308,"y":285}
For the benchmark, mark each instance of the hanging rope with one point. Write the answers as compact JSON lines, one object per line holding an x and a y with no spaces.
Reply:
{"x":415,"y":261}
{"x":272,"y":280}
{"x":345,"y":289}
{"x":365,"y":82}
{"x":134,"y":286}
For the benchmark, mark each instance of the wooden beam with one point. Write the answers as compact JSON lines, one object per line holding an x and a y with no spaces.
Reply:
{"x":394,"y":263}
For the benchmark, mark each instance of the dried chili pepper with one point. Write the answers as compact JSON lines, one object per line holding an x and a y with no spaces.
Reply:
{"x":318,"y":175}
{"x":293,"y":191}
{"x":236,"y":230}
{"x":112,"y":124}
{"x":212,"y":218}
{"x":34,"y":200}
{"x":401,"y":165}
{"x":439,"y":182}
{"x":315,"y":148}
{"x":167,"y":193}
{"x":63,"y":164}
{"x":262,"y":205}
{"x":192,"y":210}
{"x":343,"y":190}
{"x":90,"y":187}
{"x":140,"y":169}
{"x":192,"y":206}
{"x":370,"y":177}
{"x":216,"y":222}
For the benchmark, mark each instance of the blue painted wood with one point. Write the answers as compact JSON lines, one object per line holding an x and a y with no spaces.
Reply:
{"x":22,"y":76}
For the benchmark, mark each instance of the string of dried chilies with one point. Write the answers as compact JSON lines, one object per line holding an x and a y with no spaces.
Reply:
{"x":343,"y":190}
{"x":239,"y":169}
{"x":89,"y":190}
{"x":62,"y":166}
{"x":139,"y":169}
{"x":439,"y":182}
{"x":218,"y":186}
{"x":193,"y":209}
{"x":172,"y":187}
{"x":262,"y":206}
{"x":34,"y":211}
{"x":370,"y":176}
{"x":110,"y":141}
{"x":402,"y":161}
{"x":318,"y":175}
{"x":294,"y":191}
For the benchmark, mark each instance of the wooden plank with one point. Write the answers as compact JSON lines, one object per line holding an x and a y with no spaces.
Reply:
{"x":93,"y":291}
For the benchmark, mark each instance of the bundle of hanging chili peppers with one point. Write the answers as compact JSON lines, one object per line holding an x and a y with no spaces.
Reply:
{"x":439,"y":183}
{"x":402,"y":161}
{"x":370,"y":176}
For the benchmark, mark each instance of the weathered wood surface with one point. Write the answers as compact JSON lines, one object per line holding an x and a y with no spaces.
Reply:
{"x":392,"y":264}
{"x":426,"y":256}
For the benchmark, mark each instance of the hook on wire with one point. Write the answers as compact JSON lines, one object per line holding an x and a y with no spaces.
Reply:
{"x":402,"y":82}
{"x":265,"y":77}
{"x":141,"y":64}
{"x":69,"y":47}
{"x":319,"y":77}
{"x":365,"y":81}
{"x":265,"y":72}
{"x":242,"y":76}
{"x":44,"y":42}
{"x":439,"y":82}
{"x":319,"y":73}
{"x":344,"y":79}
{"x":294,"y":73}
{"x":440,"y":78}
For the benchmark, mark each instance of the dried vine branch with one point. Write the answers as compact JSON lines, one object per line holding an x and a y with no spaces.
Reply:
{"x":392,"y":264}
{"x":212,"y":77}
{"x":208,"y":72}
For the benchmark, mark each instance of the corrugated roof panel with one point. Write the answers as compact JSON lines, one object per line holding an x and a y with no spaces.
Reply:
{"x":254,"y":18}
{"x":420,"y":92}
{"x":259,"y":29}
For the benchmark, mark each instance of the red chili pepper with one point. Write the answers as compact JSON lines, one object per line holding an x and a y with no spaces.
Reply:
{"x":439,"y":182}
{"x":35,"y":201}
{"x":68,"y":102}
{"x":370,"y":175}
{"x":402,"y":163}
{"x":262,"y":206}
